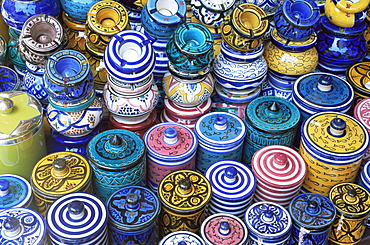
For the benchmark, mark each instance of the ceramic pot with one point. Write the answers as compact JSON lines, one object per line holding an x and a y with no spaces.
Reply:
{"x":220,"y":105}
{"x":244,"y":29}
{"x":77,"y":9}
{"x":181,"y":237}
{"x":346,"y":14}
{"x":268,"y":88}
{"x":210,"y":12}
{"x":22,"y":135}
{"x":364,"y":181}
{"x":77,"y":218}
{"x":15,"y":192}
{"x":98,"y":68}
{"x":361,"y":114}
{"x":34,"y":83}
{"x":13,"y":52}
{"x":358,"y":76}
{"x":268,"y":6}
{"x":237,"y":96}
{"x":9,"y":80}
{"x":76,"y":33}
{"x":133,"y":213}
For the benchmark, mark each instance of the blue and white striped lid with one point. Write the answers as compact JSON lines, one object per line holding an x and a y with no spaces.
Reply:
{"x":15,"y":191}
{"x":182,"y":238}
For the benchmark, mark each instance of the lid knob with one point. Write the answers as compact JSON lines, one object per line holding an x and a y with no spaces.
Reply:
{"x":280,"y":160}
{"x":268,"y":216}
{"x":132,"y":201}
{"x":170,"y":136}
{"x":185,"y":186}
{"x":116,"y":140}
{"x":6,"y":105}
{"x":76,"y":209}
{"x":4,"y":187}
{"x":224,"y":228}
{"x":231,"y":174}
{"x":220,"y":123}
{"x":337,"y":127}
{"x":313,"y":207}
{"x":273,"y":110}
{"x":325,"y":83}
{"x":351,"y":196}
{"x":12,"y":226}
{"x":60,"y":166}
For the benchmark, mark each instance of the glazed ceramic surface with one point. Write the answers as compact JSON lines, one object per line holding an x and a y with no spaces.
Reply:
{"x":364,"y":180}
{"x":76,"y":33}
{"x":358,"y":76}
{"x":9,"y":80}
{"x":15,"y":192}
{"x":346,"y":14}
{"x":3,"y":50}
{"x":77,"y":9}
{"x":361,"y":114}
{"x":178,"y":237}
{"x":210,"y":12}
{"x":13,"y":51}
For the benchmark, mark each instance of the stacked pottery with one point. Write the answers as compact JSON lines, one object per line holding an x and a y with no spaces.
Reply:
{"x":233,"y":185}
{"x":15,"y":191}
{"x":130,"y":94}
{"x":280,"y":172}
{"x":364,"y":180}
{"x":188,"y":84}
{"x":333,"y":145}
{"x":41,"y":37}
{"x":268,"y":223}
{"x":104,"y":20}
{"x":133,"y":213}
{"x":170,"y":147}
{"x":220,"y":137}
{"x":361,"y":113}
{"x":240,"y":68}
{"x":181,"y":237}
{"x":59,"y":174}
{"x":118,"y":159}
{"x":358,"y":75}
{"x":313,"y":215}
{"x":184,"y":195}
{"x":270,"y":120}
{"x":291,"y":52}
{"x":73,"y":112}
{"x":9,"y":80}
{"x":352,"y":203}
{"x":77,"y":218}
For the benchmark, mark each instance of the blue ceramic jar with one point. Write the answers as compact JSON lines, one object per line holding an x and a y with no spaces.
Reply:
{"x":15,"y":191}
{"x":133,"y":213}
{"x":220,"y":137}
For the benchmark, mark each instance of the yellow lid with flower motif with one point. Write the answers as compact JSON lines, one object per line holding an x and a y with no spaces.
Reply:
{"x":184,"y":191}
{"x":61,"y":173}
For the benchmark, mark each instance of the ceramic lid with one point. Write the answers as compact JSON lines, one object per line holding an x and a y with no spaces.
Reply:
{"x":184,"y":191}
{"x":116,"y":149}
{"x":350,"y":199}
{"x":279,"y":166}
{"x":268,"y":219}
{"x":322,"y":92}
{"x":22,"y":226}
{"x":60,"y":173}
{"x":133,"y":208}
{"x":220,"y":129}
{"x":312,"y":211}
{"x":76,"y":216}
{"x":334,"y":134}
{"x":8,"y":78}
{"x":272,"y":114}
{"x":308,"y":8}
{"x":231,"y":180}
{"x":358,"y":75}
{"x":361,"y":112}
{"x":224,"y":229}
{"x":170,"y":141}
{"x":20,"y":113}
{"x":181,"y":238}
{"x":15,"y":191}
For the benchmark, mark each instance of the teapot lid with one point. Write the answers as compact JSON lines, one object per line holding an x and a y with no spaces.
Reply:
{"x":312,"y":211}
{"x":20,"y":113}
{"x":351,"y":199}
{"x":220,"y":129}
{"x":231,"y":180}
{"x":60,"y":173}
{"x":272,"y":114}
{"x":223,"y":228}
{"x":181,"y":238}
{"x":76,"y":216}
{"x":133,"y":208}
{"x":184,"y":191}
{"x":358,"y":75}
{"x":22,"y":226}
{"x":15,"y":191}
{"x":116,"y":149}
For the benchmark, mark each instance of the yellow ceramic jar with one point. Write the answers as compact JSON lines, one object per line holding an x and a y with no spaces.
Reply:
{"x":358,"y":75}
{"x":344,"y":13}
{"x":75,"y":32}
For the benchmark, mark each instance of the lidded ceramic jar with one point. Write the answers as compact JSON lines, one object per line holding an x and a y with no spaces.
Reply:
{"x":233,"y":186}
{"x":224,"y":228}
{"x":220,"y":137}
{"x":15,"y":192}
{"x":320,"y":92}
{"x":270,"y":120}
{"x":358,"y":75}
{"x":268,"y":223}
{"x":22,"y":137}
{"x":118,"y":159}
{"x":361,"y":114}
{"x":279,"y":171}
{"x":181,"y":238}
{"x":9,"y":80}
{"x":77,"y":218}
{"x":333,"y":145}
{"x":170,"y":147}
{"x":184,"y":195}
{"x":353,"y":208}
{"x":133,"y":212}
{"x":22,"y":226}
{"x":313,"y":215}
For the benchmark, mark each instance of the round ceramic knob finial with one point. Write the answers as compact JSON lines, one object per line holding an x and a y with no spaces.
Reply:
{"x":220,"y":123}
{"x":60,"y":166}
{"x":280,"y":160}
{"x":351,"y":196}
{"x":4,"y":187}
{"x":116,"y":140}
{"x":231,"y":174}
{"x":132,"y":201}
{"x":170,"y":136}
{"x":12,"y":226}
{"x":337,"y":127}
{"x":185,"y":186}
{"x":76,"y":209}
{"x":325,"y":83}
{"x":6,"y":105}
{"x":224,"y":228}
{"x":273,"y":110}
{"x":268,"y":216}
{"x":313,"y":207}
